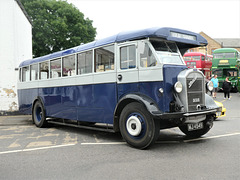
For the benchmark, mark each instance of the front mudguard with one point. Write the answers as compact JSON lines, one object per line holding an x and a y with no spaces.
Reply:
{"x":149,"y":104}
{"x":210,"y":103}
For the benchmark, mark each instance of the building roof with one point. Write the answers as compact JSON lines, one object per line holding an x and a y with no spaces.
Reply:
{"x":184,"y":39}
{"x":24,"y":11}
{"x":208,"y":37}
{"x":228,"y":42}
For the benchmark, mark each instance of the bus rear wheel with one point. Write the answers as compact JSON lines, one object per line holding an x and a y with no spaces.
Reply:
{"x":137,"y":126}
{"x":38,"y":115}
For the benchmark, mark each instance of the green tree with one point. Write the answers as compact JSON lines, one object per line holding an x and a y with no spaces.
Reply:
{"x":57,"y":25}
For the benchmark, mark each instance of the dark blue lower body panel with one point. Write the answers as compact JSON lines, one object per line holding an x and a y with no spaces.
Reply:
{"x":93,"y":103}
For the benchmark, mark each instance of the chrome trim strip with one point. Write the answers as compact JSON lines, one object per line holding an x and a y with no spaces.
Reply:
{"x":199,"y":113}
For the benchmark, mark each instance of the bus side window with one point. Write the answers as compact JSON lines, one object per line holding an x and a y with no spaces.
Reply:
{"x":85,"y":60}
{"x":44,"y":70}
{"x":147,"y":58}
{"x":25,"y":74}
{"x":104,"y":59}
{"x":34,"y":72}
{"x":69,"y":66}
{"x":128,"y":57}
{"x":55,"y":68}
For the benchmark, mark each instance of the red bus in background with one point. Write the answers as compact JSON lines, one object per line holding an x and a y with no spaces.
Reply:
{"x":200,"y":61}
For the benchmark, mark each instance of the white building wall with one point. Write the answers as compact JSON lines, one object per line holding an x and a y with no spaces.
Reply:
{"x":15,"y":46}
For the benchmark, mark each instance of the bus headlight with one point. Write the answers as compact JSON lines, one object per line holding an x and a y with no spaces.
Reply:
{"x":178,"y":87}
{"x":210,"y":85}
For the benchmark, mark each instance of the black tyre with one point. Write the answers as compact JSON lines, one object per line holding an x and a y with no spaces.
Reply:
{"x":137,"y":126}
{"x":207,"y":125}
{"x":38,"y":115}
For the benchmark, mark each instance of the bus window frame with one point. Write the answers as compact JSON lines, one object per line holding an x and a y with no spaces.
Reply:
{"x":94,"y":63}
{"x":230,"y":72}
{"x":136,"y":57}
{"x":150,"y":46}
{"x":50,"y":68}
{"x":190,"y":58}
{"x":214,"y":72}
{"x":77,"y":62}
{"x":29,"y":79}
{"x":40,"y":75}
{"x":178,"y":52}
{"x":31,"y":72}
{"x":62,"y":65}
{"x":224,"y":55}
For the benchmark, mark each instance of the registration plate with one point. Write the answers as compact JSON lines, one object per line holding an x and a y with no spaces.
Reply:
{"x":196,"y":126}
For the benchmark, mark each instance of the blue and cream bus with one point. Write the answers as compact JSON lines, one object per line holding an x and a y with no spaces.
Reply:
{"x":133,"y":82}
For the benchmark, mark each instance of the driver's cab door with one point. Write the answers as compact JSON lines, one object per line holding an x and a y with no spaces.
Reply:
{"x":127,"y":71}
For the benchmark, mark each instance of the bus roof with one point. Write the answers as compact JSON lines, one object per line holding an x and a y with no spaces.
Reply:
{"x":184,"y":39}
{"x":224,"y":50}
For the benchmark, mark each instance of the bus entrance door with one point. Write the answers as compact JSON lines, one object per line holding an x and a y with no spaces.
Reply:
{"x":127,"y":71}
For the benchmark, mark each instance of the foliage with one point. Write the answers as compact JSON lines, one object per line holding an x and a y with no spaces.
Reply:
{"x":57,"y":25}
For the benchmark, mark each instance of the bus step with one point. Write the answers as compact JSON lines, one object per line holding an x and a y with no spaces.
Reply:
{"x":84,"y":125}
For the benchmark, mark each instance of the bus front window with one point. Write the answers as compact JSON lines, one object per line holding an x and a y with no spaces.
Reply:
{"x":224,"y":55}
{"x":218,"y":72}
{"x":187,"y":58}
{"x":230,"y":72}
{"x":167,"y":52}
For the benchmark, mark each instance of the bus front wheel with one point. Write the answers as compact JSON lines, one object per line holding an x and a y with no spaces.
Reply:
{"x":137,"y":126}
{"x":38,"y":115}
{"x":207,"y":125}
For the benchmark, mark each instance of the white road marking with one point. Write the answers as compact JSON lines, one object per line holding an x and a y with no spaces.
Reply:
{"x":104,"y":143}
{"x":116,"y":143}
{"x":36,"y":149}
{"x":212,"y":137}
{"x":167,"y":142}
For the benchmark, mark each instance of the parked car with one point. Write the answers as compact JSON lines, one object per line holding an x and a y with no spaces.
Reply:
{"x":221,"y":111}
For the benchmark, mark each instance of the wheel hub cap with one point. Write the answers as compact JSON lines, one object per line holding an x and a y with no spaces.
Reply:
{"x":134,"y":126}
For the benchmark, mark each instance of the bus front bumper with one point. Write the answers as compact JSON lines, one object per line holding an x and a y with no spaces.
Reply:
{"x":185,"y":115}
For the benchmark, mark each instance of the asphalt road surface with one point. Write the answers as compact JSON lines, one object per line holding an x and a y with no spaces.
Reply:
{"x":61,"y":152}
